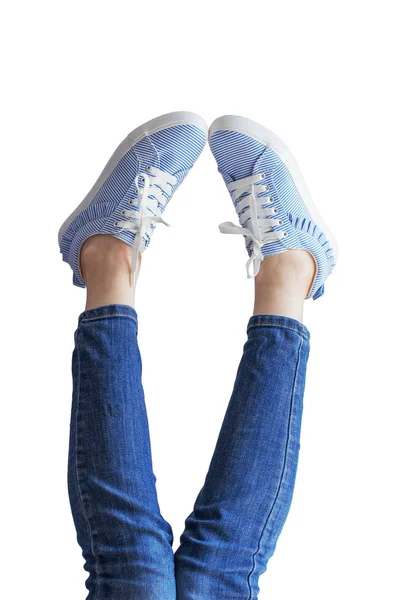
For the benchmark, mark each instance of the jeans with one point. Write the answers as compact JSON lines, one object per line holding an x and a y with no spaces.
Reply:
{"x":242,"y":507}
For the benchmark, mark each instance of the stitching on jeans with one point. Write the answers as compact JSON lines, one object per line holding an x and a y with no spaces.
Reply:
{"x":301,"y":332}
{"x":107,"y":316}
{"x":282,"y":474}
{"x":77,"y":477}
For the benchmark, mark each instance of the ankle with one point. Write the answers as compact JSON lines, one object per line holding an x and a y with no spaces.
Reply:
{"x":291,"y":271}
{"x":283,"y":282}
{"x":106,"y":271}
{"x":105,"y":254}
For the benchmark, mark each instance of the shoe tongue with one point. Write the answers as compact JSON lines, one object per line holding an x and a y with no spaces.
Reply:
{"x":147,"y":153}
{"x":162,"y":157}
{"x":237,"y":155}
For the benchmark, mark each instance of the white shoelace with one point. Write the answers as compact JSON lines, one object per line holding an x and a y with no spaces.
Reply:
{"x":149,"y":192}
{"x":255,"y":218}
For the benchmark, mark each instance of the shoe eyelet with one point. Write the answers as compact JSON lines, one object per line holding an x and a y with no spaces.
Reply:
{"x":148,"y":168}
{"x":276,"y":211}
{"x":263,"y":175}
{"x":122,"y":212}
{"x":270,"y":199}
{"x":266,"y":188}
{"x":135,"y":191}
{"x":115,"y":223}
{"x":285,"y":234}
{"x":280,"y":222}
{"x":130,"y":202}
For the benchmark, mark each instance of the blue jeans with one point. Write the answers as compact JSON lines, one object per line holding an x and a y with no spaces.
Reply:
{"x":242,"y":507}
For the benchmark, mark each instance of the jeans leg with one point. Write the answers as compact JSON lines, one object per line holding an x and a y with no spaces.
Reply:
{"x":242,"y":507}
{"x":126,"y":543}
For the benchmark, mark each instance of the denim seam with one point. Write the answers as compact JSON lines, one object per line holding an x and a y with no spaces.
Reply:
{"x":77,"y":477}
{"x":282,"y":475}
{"x":107,"y":316}
{"x":299,"y":331}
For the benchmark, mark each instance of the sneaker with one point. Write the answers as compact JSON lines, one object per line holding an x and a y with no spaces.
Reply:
{"x":270,"y":196}
{"x":137,"y":183}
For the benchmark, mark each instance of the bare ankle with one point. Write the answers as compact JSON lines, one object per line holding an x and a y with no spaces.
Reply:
{"x":106,"y":271}
{"x":293,"y":270}
{"x":283,"y":282}
{"x":103,"y":252}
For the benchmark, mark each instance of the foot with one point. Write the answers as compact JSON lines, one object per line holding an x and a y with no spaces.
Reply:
{"x":131,"y":194}
{"x":275,"y":210}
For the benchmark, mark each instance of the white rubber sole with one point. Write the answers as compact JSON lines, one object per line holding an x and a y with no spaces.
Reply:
{"x":157,"y":124}
{"x":263,"y":135}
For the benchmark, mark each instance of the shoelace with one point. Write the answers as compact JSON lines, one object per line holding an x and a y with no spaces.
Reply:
{"x":254,"y":216}
{"x":149,"y":192}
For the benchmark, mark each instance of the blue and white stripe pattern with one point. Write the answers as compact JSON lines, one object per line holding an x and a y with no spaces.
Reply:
{"x":172,"y":149}
{"x":239,"y":156}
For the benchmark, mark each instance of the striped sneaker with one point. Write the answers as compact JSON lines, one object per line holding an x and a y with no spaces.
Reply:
{"x":272,"y":201}
{"x":135,"y":186}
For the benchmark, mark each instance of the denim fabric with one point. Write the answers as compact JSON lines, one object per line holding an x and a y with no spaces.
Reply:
{"x":126,"y":544}
{"x":242,"y":507}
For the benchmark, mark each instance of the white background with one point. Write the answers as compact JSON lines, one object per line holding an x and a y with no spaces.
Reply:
{"x":77,"y":77}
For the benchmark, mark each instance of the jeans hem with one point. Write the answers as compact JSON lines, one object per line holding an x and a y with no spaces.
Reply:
{"x":106,"y":311}
{"x":278,"y":321}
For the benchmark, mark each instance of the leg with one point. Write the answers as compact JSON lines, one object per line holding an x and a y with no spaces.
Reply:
{"x":242,"y":507}
{"x":126,"y":543}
